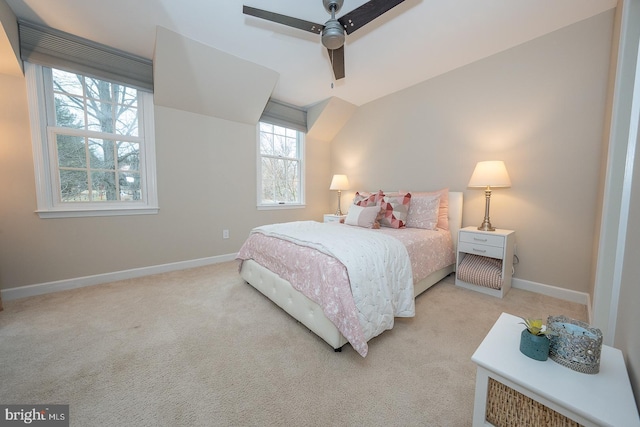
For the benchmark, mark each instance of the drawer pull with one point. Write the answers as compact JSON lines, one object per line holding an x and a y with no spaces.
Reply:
{"x":479,"y":250}
{"x":479,"y":240}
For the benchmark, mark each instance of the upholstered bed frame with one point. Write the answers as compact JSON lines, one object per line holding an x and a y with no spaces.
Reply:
{"x":308,"y":312}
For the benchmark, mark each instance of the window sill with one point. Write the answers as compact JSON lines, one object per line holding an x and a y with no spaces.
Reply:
{"x":282,"y":206}
{"x":79,"y":213}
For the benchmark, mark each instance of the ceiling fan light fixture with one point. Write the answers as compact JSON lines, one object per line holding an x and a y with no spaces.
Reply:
{"x":334,"y":30}
{"x":333,"y":35}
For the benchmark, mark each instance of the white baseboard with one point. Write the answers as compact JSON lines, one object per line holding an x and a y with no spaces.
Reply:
{"x":79,"y":282}
{"x":552,"y":291}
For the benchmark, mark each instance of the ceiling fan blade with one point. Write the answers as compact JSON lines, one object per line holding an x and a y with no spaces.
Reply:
{"x":337,"y":61}
{"x":283,"y":19}
{"x":366,"y":13}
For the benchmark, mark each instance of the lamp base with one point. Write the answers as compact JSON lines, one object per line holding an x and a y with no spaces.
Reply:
{"x":486,"y":227}
{"x":339,"y":211}
{"x":486,"y":224}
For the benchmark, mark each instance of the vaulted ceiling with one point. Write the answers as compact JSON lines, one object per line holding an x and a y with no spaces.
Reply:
{"x":415,"y":41}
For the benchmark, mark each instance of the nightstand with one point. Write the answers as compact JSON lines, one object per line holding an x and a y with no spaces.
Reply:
{"x":333,"y":217}
{"x":498,"y":244}
{"x":510,"y":387}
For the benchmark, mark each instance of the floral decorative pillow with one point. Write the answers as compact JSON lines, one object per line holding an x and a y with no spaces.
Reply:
{"x":363,"y":216}
{"x":394,"y":210}
{"x":423,"y":211}
{"x":443,"y":211}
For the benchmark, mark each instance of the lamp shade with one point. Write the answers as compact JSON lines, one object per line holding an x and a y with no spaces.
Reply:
{"x":339,"y":182}
{"x":490,"y":174}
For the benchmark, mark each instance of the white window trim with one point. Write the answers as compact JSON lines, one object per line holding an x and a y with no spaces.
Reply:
{"x":47,"y":206}
{"x":272,"y":206}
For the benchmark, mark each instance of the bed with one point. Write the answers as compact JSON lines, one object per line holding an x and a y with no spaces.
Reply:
{"x":292,"y":281}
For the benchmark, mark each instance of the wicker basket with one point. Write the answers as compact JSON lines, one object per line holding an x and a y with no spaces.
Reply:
{"x":507,"y":407}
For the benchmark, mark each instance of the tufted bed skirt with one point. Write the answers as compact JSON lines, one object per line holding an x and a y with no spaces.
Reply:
{"x":302,"y":308}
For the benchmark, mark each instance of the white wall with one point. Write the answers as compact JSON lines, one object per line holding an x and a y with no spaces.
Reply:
{"x":206,"y":180}
{"x":540,"y":107}
{"x":616,"y":290}
{"x":627,"y":313}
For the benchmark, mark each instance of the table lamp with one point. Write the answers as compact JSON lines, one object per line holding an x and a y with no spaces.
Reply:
{"x":486,"y":175}
{"x":339,"y":182}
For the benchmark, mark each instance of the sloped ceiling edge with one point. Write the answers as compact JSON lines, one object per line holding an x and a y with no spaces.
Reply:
{"x":194,"y":77}
{"x":326,"y":118}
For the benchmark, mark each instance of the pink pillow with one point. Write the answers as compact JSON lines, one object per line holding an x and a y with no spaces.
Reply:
{"x":423,"y":212}
{"x":394,"y":210}
{"x":443,"y":211}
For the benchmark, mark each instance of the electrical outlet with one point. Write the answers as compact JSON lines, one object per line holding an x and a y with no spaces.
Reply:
{"x":225,"y":234}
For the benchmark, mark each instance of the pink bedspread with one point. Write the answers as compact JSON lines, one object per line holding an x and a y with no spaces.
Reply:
{"x":429,"y":250}
{"x":324,"y":280}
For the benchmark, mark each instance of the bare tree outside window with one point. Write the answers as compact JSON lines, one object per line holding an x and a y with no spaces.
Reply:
{"x":97,"y":140}
{"x":281,"y":164}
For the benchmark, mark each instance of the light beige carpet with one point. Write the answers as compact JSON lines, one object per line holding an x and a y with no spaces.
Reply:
{"x":202,"y":348}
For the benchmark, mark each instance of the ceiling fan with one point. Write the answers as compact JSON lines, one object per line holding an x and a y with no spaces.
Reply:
{"x":333,"y":30}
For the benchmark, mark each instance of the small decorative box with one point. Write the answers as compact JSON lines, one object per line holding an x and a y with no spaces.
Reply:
{"x":575,"y":344}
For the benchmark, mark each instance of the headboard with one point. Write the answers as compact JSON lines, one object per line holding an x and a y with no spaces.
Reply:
{"x":455,"y":215}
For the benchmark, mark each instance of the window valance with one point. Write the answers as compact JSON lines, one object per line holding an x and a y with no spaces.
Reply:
{"x":56,"y":49}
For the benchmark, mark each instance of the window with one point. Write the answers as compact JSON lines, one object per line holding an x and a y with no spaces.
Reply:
{"x":280,"y":166}
{"x":93,"y":145}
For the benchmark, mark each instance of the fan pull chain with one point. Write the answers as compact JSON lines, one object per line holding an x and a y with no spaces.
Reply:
{"x":331,"y":53}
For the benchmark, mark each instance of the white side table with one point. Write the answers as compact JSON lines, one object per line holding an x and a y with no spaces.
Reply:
{"x":333,"y":217}
{"x":603,"y":399}
{"x":498,"y":244}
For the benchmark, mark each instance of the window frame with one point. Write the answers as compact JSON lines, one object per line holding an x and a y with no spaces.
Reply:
{"x":301,"y":159}
{"x":44,"y":156}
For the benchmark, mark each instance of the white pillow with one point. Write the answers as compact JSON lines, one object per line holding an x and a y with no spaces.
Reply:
{"x":362,"y":216}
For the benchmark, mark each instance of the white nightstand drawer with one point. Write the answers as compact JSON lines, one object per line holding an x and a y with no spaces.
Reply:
{"x":482,"y":239}
{"x":483,"y":250}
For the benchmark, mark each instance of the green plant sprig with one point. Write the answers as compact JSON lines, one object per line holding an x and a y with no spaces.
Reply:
{"x":535,"y":326}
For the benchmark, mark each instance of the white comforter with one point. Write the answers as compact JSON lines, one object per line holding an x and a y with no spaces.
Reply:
{"x":378,"y":265}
